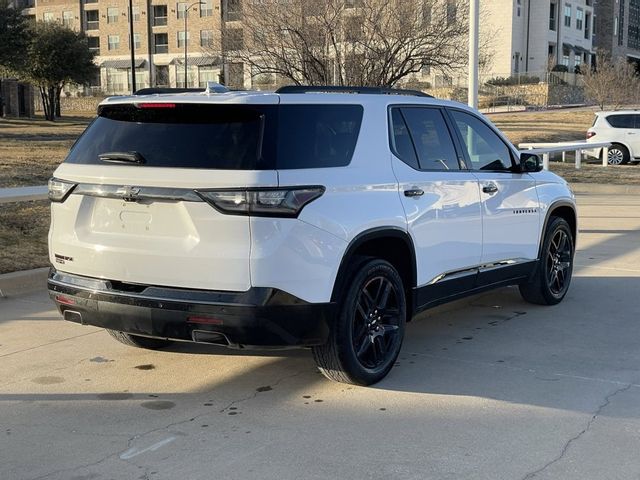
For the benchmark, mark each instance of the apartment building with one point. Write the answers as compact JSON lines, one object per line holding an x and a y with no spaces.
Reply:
{"x":159,"y":39}
{"x":530,"y":36}
{"x":618,"y":28}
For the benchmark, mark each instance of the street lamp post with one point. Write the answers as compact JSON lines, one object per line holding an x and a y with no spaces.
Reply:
{"x":474,"y":21}
{"x":186,"y":36}
{"x":132,"y":42}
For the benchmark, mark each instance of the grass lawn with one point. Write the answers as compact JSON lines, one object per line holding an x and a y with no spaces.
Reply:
{"x":31,"y":149}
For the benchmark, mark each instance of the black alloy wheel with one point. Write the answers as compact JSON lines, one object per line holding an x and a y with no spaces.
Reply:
{"x":552,"y":277}
{"x":558,"y":263}
{"x":367,"y":334}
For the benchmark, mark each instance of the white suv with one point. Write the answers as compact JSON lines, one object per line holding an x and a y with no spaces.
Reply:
{"x":310,"y":217}
{"x":622,"y":129}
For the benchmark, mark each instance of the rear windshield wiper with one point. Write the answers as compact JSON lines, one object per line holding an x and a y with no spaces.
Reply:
{"x":122,"y":157}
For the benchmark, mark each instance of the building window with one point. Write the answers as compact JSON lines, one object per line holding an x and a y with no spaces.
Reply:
{"x":567,"y":15}
{"x":207,"y":74}
{"x":206,"y":10}
{"x":181,"y":9}
{"x":519,"y":7}
{"x":587,"y":26}
{"x":90,"y":1}
{"x":94,"y":44}
{"x":67,"y":19}
{"x":113,"y":42}
{"x":566,"y":52}
{"x":633,"y":34}
{"x":93,"y":19}
{"x":136,"y":13}
{"x":552,"y":16}
{"x":161,"y":42}
{"x":182,"y":39}
{"x":162,"y":75}
{"x":231,"y":10}
{"x":621,"y":25}
{"x":551,"y":51}
{"x":451,"y":12}
{"x":159,"y":15}
{"x":136,"y":41}
{"x":579,"y":18}
{"x":112,"y":15}
{"x":48,"y":16}
{"x":232,"y":39}
{"x":206,"y":38}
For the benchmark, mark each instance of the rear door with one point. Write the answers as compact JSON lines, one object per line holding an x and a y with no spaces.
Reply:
{"x":441,"y":201}
{"x":510,"y":207}
{"x":135,"y":215}
{"x":626,"y":130}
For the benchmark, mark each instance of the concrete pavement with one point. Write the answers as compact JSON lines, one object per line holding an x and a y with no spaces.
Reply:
{"x":496,"y":389}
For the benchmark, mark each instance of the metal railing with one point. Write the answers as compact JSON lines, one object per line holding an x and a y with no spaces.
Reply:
{"x":545,"y":149}
{"x":23,"y":194}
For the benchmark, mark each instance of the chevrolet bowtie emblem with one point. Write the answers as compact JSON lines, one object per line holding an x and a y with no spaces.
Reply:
{"x":129,"y":194}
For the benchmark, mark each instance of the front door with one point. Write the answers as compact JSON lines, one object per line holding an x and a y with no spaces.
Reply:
{"x":441,"y":201}
{"x":510,"y":206}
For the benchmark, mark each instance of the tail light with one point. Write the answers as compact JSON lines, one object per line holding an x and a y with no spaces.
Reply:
{"x":264,"y":202}
{"x":590,"y":134}
{"x":59,"y":190}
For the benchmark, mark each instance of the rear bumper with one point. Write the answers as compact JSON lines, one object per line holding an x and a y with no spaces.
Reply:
{"x":259,"y":317}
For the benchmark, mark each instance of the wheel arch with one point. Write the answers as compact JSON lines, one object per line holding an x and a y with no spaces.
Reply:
{"x":625,"y":145}
{"x":564,"y":209}
{"x":388,"y":243}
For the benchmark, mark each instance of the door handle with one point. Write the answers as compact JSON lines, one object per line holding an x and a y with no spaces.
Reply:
{"x":490,"y":188}
{"x":414,"y":192}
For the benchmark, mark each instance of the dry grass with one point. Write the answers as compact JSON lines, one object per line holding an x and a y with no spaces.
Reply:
{"x":549,"y":126}
{"x":31,"y":149}
{"x":23,"y":235}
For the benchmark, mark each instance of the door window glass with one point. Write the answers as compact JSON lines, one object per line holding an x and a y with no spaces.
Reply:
{"x":402,"y":145}
{"x":486,"y":150}
{"x":431,"y":138}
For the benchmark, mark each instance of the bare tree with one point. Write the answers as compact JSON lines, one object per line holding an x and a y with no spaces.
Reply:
{"x":348,"y":42}
{"x":611,"y":82}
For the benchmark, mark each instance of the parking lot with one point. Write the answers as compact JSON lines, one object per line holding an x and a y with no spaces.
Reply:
{"x":488,"y":388}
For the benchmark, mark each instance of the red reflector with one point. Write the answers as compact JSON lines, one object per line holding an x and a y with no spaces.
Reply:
{"x":156,"y":105}
{"x":65,"y":300}
{"x":204,"y":320}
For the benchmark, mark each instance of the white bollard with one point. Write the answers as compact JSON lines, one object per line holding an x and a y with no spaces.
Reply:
{"x":545,"y":161}
{"x":605,"y":156}
{"x":578,"y":159}
{"x":564,"y":157}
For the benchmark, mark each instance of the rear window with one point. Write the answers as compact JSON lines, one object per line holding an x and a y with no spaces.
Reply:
{"x":622,"y":121}
{"x":229,"y":137}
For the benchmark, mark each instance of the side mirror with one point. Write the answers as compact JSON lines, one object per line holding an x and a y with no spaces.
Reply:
{"x":530,"y":163}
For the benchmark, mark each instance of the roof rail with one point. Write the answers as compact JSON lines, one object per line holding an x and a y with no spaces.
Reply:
{"x":342,"y":89}
{"x":152,"y":90}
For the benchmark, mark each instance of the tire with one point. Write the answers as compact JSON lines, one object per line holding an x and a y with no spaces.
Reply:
{"x":618,"y":155}
{"x":138,"y":341}
{"x":367,"y":334}
{"x":552,"y":277}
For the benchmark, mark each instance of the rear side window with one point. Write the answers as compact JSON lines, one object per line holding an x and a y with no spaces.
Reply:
{"x":317,"y":136}
{"x":622,"y":121}
{"x":228,"y":137}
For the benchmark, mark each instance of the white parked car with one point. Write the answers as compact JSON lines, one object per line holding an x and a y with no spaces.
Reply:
{"x":310,"y":217}
{"x":622,"y":129}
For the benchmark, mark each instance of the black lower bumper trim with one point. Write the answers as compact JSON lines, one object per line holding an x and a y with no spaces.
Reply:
{"x":259,"y":317}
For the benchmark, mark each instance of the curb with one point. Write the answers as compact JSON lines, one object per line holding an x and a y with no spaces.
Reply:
{"x":26,"y":281}
{"x":585,"y":188}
